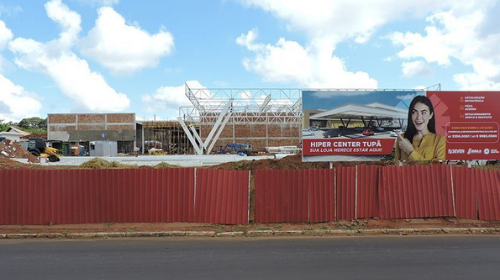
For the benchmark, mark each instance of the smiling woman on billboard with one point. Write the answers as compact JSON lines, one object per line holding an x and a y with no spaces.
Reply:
{"x":420,"y":141}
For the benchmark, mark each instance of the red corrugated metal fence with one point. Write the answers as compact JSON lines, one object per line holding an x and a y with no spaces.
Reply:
{"x":122,"y":195}
{"x":222,"y":196}
{"x":367,"y":191}
{"x":321,"y":194}
{"x":416,"y":191}
{"x":465,"y":188}
{"x":388,"y":192}
{"x":280,"y":196}
{"x":345,"y":189}
{"x":488,"y":195}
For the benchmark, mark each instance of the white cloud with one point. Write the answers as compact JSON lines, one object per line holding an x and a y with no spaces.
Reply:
{"x":89,"y":89}
{"x":168,"y":99}
{"x":98,"y":3}
{"x":5,"y":35}
{"x":67,"y":19}
{"x":72,"y":75}
{"x":16,"y":103}
{"x":462,"y":34}
{"x":9,"y":10}
{"x":105,"y":2}
{"x":416,"y":68}
{"x":314,"y":66}
{"x":481,"y":79}
{"x":453,"y":30}
{"x":343,"y":19}
{"x":124,"y":48}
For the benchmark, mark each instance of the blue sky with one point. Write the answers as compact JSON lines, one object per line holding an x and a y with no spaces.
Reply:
{"x":102,"y":56}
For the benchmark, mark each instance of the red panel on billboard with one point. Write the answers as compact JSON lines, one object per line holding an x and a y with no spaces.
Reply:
{"x":417,"y":191}
{"x":222,"y":196}
{"x":316,"y":147}
{"x":469,"y":120}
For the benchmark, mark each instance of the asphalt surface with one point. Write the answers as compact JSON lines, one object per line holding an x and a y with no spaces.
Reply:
{"x":442,"y":257}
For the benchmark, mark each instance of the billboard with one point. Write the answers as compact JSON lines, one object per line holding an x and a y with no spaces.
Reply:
{"x":469,"y":120}
{"x":346,"y":125}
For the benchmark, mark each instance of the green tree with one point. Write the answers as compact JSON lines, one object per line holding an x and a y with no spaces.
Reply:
{"x":3,"y":126}
{"x":33,"y":125}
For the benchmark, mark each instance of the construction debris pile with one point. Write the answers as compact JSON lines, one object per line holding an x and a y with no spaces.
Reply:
{"x":10,"y":149}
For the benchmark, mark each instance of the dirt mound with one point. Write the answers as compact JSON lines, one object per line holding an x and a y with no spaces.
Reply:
{"x":289,"y":162}
{"x":6,"y":163}
{"x":99,"y":163}
{"x":165,"y":165}
{"x":292,"y":162}
{"x":10,"y":149}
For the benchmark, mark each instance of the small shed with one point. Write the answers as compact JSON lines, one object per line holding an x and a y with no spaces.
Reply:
{"x":13,"y":134}
{"x":103,"y":148}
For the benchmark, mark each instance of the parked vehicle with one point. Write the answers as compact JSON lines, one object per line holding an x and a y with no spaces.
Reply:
{"x":38,"y":148}
{"x":236,"y":148}
{"x":359,"y":129}
{"x":307,"y":132}
{"x":368,"y":132}
{"x":379,"y":128}
{"x":313,"y":128}
{"x":331,"y":133}
{"x":395,"y":133}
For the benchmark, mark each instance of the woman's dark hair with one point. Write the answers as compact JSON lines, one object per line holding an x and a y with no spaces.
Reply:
{"x":410,"y":128}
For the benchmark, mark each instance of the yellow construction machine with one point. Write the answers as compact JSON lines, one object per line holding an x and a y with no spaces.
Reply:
{"x":38,"y":148}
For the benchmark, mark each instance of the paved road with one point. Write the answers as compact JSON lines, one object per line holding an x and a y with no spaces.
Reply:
{"x":444,"y":257}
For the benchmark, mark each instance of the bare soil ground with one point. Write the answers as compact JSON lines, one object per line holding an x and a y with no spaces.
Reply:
{"x":341,"y":225}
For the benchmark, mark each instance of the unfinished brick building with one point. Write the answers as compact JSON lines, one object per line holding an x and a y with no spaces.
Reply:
{"x":83,"y":128}
{"x":260,"y":117}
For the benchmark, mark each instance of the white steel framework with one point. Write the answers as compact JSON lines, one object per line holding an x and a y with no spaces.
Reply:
{"x":218,"y":107}
{"x":249,"y":106}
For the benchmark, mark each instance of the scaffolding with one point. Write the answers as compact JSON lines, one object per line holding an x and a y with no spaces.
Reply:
{"x":165,"y":137}
{"x":260,"y":109}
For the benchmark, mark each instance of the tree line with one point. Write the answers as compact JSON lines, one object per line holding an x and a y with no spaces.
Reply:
{"x":34,"y":125}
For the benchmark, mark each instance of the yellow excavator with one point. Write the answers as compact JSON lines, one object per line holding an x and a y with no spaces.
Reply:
{"x":38,"y":148}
